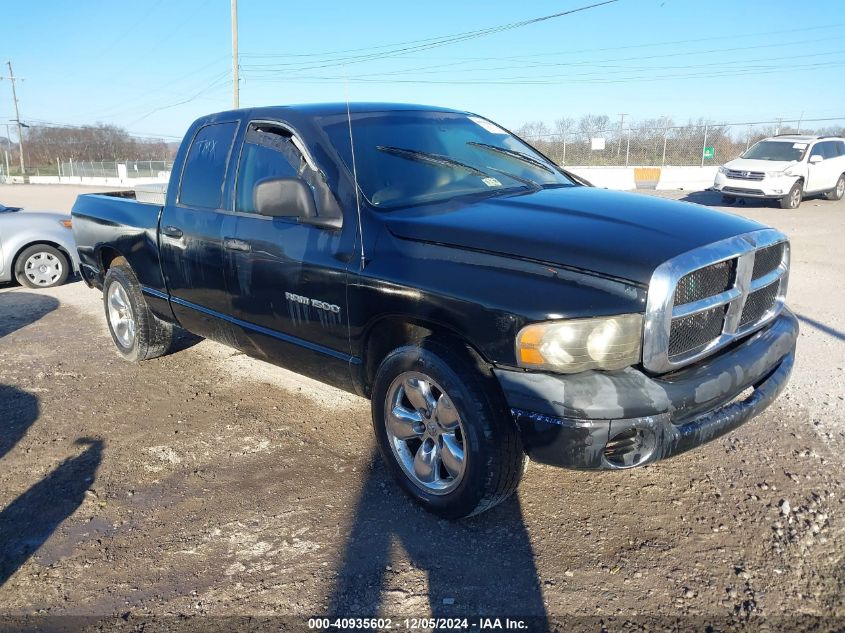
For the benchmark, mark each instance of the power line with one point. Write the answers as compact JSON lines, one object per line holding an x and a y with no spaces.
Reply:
{"x":558,"y":79}
{"x":427,"y":44}
{"x":743,"y":35}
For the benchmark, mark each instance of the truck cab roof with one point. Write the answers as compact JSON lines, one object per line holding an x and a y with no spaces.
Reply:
{"x":329,"y":109}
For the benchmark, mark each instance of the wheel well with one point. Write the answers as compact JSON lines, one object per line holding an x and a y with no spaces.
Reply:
{"x":108,"y":256}
{"x":58,"y":247}
{"x":392,"y":332}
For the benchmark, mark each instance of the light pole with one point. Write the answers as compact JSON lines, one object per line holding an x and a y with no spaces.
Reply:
{"x":235,"y":94}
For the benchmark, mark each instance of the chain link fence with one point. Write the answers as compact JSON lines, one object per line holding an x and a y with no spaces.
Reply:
{"x":649,"y":146}
{"x":112,"y":169}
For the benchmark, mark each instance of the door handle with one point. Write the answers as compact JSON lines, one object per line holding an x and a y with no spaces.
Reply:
{"x":172,"y":231}
{"x":232,"y":244}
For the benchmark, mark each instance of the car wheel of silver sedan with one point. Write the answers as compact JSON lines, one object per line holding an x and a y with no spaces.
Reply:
{"x":41,"y":266}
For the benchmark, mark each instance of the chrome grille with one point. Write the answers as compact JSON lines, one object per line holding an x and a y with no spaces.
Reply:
{"x":737,"y":174}
{"x":696,"y":330}
{"x":767,"y":259}
{"x":702,"y":300}
{"x":759,"y":303}
{"x":705,"y":282}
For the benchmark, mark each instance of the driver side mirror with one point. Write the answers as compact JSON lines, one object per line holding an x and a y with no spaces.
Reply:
{"x":284,"y":198}
{"x":816,"y":158}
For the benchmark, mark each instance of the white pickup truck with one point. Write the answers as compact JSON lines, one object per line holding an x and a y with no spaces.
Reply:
{"x":786,"y":168}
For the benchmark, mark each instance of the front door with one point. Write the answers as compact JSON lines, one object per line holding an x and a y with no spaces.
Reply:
{"x":287,"y":280}
{"x":191,"y":235}
{"x":822,"y":176}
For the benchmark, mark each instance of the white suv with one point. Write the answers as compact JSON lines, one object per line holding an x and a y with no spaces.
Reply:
{"x":786,"y":168}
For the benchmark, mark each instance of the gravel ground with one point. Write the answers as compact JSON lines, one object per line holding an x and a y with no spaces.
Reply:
{"x":208,"y":483}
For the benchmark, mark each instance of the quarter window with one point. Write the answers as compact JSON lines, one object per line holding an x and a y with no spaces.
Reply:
{"x":205,"y":166}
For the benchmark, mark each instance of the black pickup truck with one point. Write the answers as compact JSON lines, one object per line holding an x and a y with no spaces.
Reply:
{"x":490,"y":304}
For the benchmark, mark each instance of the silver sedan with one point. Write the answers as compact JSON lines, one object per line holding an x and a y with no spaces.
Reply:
{"x":36,"y":248}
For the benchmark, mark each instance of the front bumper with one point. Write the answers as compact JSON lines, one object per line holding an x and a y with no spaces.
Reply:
{"x":613,"y":420}
{"x":769,"y":187}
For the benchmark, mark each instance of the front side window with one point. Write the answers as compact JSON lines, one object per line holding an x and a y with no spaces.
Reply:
{"x":416,"y":157}
{"x":205,"y":166}
{"x":777,"y":150}
{"x":266,"y":154}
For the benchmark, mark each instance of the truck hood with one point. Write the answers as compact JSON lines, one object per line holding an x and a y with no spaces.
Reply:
{"x":623,"y":235}
{"x":750,"y":164}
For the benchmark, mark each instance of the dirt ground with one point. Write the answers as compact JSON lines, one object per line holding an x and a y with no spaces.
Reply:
{"x":207,"y":483}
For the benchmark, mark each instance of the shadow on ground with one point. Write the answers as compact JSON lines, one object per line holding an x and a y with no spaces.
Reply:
{"x":821,"y":327}
{"x":714,"y":199}
{"x":27,"y":522}
{"x":474,"y":567}
{"x":19,"y":412}
{"x":19,"y":309}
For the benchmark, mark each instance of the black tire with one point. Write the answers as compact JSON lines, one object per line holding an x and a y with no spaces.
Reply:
{"x":53,"y":258}
{"x":152,"y":336}
{"x":838,"y":191}
{"x":728,"y":199}
{"x":792,"y":200}
{"x":493,"y":453}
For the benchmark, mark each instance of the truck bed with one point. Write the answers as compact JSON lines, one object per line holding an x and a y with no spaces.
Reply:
{"x":109,"y":223}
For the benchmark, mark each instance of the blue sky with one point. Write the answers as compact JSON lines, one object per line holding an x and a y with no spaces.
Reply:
{"x":153,"y":66}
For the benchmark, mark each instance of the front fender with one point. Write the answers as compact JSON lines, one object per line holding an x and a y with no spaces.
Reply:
{"x":484,"y":298}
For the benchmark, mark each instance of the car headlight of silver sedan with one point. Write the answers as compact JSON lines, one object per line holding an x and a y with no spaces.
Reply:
{"x":576,"y":345}
{"x":723,"y":169}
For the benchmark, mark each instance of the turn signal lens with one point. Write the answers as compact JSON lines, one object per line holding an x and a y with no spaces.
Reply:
{"x":581,"y":344}
{"x":67,"y":224}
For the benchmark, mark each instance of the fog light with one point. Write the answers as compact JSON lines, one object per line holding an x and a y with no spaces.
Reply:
{"x":630,"y":447}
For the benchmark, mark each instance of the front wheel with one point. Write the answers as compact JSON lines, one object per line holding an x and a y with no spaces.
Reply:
{"x":838,"y":191}
{"x":444,"y":430}
{"x":137,"y":333}
{"x":42,"y":266}
{"x":793,"y":198}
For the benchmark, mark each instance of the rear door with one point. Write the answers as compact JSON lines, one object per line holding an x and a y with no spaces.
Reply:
{"x":287,"y":279}
{"x":191,"y":234}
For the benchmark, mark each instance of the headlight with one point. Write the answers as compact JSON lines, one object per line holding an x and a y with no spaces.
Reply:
{"x":775,"y":174}
{"x":581,"y":344}
{"x":723,"y":170}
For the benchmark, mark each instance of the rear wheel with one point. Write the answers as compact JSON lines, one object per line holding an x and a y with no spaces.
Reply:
{"x":793,"y":198}
{"x":42,"y":266}
{"x":444,"y":430}
{"x":838,"y":191}
{"x":137,"y":333}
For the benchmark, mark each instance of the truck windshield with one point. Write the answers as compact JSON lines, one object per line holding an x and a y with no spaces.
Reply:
{"x":777,"y":150}
{"x":415,"y":157}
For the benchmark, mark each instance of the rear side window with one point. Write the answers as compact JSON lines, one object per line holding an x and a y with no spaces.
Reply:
{"x":205,"y":166}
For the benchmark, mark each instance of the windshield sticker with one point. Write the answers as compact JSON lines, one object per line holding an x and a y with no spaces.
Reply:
{"x":487,"y":125}
{"x":491,"y":182}
{"x":799,"y":146}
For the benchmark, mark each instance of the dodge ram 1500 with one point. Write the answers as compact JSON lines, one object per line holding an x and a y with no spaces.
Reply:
{"x":489,"y":304}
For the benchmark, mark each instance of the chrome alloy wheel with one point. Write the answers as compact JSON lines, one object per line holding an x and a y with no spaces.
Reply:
{"x":120,"y":315}
{"x":42,"y":269}
{"x":425,"y":432}
{"x":840,"y":188}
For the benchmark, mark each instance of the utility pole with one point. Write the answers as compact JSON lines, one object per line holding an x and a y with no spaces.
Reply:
{"x":12,"y":79}
{"x":621,"y":122}
{"x":235,"y":96}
